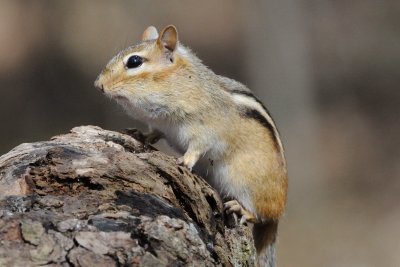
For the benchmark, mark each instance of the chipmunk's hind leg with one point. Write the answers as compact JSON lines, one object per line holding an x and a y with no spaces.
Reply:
{"x":236,"y":208}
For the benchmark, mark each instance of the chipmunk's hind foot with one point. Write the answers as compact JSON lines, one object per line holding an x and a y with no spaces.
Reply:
{"x":235,"y":208}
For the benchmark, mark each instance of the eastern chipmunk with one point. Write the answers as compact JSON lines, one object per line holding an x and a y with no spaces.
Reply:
{"x":219,"y":126}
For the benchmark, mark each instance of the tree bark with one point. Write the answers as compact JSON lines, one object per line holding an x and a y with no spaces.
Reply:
{"x":101,"y":198}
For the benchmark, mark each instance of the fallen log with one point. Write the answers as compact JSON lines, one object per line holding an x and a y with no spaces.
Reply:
{"x":94,"y":197}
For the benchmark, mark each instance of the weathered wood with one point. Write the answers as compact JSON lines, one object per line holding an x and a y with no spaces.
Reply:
{"x":101,"y":198}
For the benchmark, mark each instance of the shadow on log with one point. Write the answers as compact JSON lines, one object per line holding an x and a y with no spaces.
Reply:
{"x":100,"y":198}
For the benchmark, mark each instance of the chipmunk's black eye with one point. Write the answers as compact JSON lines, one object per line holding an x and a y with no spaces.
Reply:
{"x":134,"y":62}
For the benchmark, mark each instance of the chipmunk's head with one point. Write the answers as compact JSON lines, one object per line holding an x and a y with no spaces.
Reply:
{"x":141,"y":73}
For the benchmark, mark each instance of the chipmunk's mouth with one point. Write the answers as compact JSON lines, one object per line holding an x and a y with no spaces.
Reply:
{"x":120,"y":98}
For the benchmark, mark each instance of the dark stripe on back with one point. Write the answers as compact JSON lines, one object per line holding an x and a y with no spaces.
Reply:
{"x":256,"y":115}
{"x":250,"y":94}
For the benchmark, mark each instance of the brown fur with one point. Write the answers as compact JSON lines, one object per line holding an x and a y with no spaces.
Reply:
{"x":269,"y":182}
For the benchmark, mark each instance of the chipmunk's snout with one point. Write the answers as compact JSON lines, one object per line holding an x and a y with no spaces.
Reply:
{"x":99,"y":85}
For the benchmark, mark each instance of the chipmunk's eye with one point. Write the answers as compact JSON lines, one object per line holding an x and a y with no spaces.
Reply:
{"x":134,"y":62}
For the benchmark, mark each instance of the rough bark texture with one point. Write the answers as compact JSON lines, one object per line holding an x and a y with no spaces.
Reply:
{"x":100,"y":198}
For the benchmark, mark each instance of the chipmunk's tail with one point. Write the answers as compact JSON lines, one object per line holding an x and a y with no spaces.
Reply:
{"x":264,"y":235}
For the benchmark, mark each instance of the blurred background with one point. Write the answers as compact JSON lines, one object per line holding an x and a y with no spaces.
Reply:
{"x":329,"y":71}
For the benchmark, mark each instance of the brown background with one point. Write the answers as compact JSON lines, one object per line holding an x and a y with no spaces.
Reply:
{"x":329,"y":71}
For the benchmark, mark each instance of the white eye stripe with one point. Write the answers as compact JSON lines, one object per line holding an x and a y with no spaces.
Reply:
{"x":135,"y":71}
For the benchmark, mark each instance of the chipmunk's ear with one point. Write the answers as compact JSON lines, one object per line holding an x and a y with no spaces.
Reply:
{"x":168,"y":38}
{"x":150,"y":34}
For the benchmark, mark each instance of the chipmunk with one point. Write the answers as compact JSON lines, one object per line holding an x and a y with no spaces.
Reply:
{"x":219,"y":126}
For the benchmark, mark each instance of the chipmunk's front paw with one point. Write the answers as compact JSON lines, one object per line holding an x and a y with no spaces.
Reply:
{"x":181,"y":161}
{"x":149,"y":138}
{"x":234,"y":207}
{"x":153,"y":138}
{"x":190,"y":158}
{"x":135,"y":133}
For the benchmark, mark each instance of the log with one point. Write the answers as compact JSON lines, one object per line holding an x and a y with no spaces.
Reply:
{"x":94,"y":197}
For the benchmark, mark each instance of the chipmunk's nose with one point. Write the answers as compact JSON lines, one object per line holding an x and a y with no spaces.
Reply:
{"x":99,"y":85}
